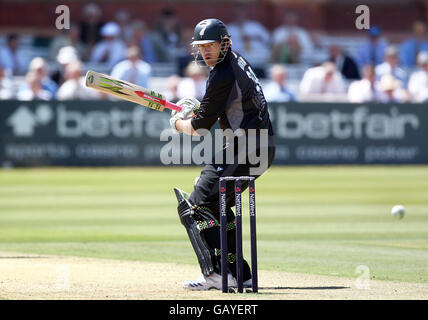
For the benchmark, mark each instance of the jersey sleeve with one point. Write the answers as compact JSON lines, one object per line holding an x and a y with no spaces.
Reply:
{"x":217,"y":97}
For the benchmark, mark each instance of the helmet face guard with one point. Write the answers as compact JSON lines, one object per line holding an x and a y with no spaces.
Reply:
{"x":210,"y":31}
{"x":224,"y":46}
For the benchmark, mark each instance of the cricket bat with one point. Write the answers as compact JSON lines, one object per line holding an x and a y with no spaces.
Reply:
{"x":128,"y":91}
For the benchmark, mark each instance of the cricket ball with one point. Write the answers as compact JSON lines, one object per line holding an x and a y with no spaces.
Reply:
{"x":398,"y":211}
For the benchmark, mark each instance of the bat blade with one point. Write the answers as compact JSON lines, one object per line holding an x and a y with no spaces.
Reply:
{"x":128,"y":91}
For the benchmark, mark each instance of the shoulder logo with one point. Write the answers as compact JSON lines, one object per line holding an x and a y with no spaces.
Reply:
{"x":242,"y":64}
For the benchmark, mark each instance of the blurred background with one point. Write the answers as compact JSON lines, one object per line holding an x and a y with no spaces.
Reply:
{"x":303,"y":51}
{"x":349,"y":104}
{"x":283,"y":40}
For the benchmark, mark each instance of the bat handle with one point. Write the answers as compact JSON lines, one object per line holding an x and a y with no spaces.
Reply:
{"x":172,"y":106}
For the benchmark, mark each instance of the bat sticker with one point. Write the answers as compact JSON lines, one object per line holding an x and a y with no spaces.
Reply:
{"x":113,"y":85}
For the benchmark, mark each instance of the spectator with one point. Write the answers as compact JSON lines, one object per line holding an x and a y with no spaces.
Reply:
{"x":287,"y":52}
{"x":345,"y":64}
{"x":289,"y":32}
{"x":140,"y":36}
{"x":251,"y":39}
{"x":391,"y":66}
{"x":39,"y":66}
{"x":366,"y":89}
{"x":123,"y":19}
{"x":65,"y":56}
{"x":166,"y":36}
{"x":372,"y":50}
{"x":171,"y":92}
{"x":418,"y":83}
{"x":411,"y":47}
{"x":111,"y":49}
{"x":90,"y":26}
{"x":392,"y":90}
{"x":133,"y":69}
{"x":74,"y":87}
{"x":323,"y":82}
{"x":194,"y":84}
{"x":67,"y":38}
{"x":12,"y":58}
{"x":6,"y":89}
{"x":33,"y":90}
{"x":276,"y":90}
{"x":185,"y":53}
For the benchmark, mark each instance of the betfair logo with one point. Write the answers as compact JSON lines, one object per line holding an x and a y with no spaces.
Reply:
{"x":24,"y":121}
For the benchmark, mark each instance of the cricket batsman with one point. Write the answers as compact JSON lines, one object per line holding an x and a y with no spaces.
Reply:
{"x":235,"y":98}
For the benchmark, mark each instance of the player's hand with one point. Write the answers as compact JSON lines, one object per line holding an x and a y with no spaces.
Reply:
{"x":174,"y":117}
{"x":190,"y":106}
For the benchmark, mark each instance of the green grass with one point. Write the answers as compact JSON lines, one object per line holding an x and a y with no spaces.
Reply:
{"x":318,"y":220}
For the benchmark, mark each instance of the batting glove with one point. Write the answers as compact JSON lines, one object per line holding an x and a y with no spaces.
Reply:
{"x":174,"y":117}
{"x":189,"y":107}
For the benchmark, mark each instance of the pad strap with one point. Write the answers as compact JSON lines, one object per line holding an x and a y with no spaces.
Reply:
{"x":231,"y":257}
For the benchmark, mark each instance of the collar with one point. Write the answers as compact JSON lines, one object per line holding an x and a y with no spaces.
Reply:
{"x":226,"y":58}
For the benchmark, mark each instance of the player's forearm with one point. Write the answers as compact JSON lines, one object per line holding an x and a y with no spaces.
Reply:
{"x":185,"y":126}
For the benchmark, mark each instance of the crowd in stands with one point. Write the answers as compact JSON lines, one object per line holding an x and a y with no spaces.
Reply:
{"x":377,"y":71}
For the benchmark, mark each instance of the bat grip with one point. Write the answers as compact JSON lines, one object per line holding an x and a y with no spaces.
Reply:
{"x":172,"y":106}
